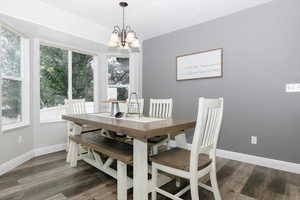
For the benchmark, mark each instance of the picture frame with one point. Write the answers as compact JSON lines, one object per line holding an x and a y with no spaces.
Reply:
{"x":200,"y":65}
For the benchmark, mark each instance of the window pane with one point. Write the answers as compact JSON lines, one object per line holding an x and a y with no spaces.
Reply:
{"x":53,"y":76}
{"x":11,"y":101}
{"x":82,"y":77}
{"x":10,"y":53}
{"x":118,"y":78}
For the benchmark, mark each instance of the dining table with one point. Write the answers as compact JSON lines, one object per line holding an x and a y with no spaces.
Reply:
{"x":141,"y":129}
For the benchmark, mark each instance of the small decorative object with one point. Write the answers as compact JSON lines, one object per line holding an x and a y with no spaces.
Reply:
{"x":114,"y":106}
{"x":205,"y":64}
{"x":133,"y":105}
{"x":119,"y":115}
{"x":124,"y":37}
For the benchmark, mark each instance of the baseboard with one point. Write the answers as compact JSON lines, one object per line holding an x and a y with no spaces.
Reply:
{"x":256,"y":160}
{"x":261,"y":161}
{"x":11,"y":164}
{"x":49,"y":149}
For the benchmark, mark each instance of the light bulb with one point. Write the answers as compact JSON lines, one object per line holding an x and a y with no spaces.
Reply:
{"x":135,"y":43}
{"x":114,"y":37}
{"x":130,"y":37}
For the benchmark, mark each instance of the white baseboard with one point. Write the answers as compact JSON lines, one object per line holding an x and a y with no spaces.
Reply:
{"x":13,"y":163}
{"x":261,"y":161}
{"x":49,"y":149}
{"x":256,"y":160}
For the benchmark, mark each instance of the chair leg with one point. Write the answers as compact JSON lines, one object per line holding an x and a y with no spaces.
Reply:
{"x":72,"y":156}
{"x":194,"y":188}
{"x":68,"y":144}
{"x":214,"y":183}
{"x":178,"y":182}
{"x":154,"y":150}
{"x":122,"y":181}
{"x":168,"y":142}
{"x":154,"y":182}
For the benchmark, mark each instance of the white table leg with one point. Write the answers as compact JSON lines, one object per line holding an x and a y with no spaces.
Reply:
{"x":140,"y":170}
{"x":72,"y":155}
{"x":122,"y":181}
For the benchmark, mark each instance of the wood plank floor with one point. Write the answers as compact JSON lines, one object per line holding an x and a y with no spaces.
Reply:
{"x":50,"y":178}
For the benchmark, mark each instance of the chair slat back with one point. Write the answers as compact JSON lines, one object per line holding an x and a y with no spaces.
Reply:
{"x":161,"y":108}
{"x":209,"y":120}
{"x":75,"y":106}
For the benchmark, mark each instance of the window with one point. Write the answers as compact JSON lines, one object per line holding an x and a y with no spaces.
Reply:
{"x":82,"y":77}
{"x":64,"y":74}
{"x":14,"y":56}
{"x":53,"y":76}
{"x":118,"y":78}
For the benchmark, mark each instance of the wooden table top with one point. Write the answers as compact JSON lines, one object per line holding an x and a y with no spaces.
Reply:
{"x":138,"y":130}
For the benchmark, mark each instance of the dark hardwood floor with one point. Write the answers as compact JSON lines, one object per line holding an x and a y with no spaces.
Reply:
{"x":49,"y":177}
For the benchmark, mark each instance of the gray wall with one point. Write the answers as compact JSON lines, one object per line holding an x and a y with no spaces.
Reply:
{"x":261,"y":54}
{"x":9,"y":146}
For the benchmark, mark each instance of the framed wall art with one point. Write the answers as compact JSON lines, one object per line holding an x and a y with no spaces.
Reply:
{"x":200,"y":65}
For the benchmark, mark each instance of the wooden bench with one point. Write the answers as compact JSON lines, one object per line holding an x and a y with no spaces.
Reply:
{"x":98,"y":146}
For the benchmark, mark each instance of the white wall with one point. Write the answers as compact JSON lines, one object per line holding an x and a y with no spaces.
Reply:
{"x":50,"y":134}
{"x":9,"y":146}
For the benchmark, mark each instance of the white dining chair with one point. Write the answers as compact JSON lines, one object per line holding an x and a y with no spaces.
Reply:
{"x":73,"y":107}
{"x":160,"y":108}
{"x":197,"y":162}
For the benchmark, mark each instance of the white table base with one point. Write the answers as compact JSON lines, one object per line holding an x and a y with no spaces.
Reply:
{"x":140,"y":183}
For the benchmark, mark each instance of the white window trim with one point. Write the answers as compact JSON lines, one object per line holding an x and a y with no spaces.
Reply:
{"x":25,"y":84}
{"x":70,"y":95}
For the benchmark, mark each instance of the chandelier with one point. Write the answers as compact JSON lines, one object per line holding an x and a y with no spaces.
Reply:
{"x":125,"y":37}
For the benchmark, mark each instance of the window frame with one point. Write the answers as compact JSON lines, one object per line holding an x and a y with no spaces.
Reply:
{"x":25,"y":83}
{"x":70,"y":72}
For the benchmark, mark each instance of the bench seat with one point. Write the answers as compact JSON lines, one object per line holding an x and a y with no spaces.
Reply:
{"x":112,"y":148}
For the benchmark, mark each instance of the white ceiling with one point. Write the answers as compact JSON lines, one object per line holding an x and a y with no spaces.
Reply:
{"x":150,"y":18}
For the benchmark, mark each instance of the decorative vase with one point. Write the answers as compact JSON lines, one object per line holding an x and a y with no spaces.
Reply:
{"x":115,"y":108}
{"x":133,"y":105}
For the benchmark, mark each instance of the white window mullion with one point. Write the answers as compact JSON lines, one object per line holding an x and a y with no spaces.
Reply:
{"x":1,"y":126}
{"x":69,"y":75}
{"x":97,"y":97}
{"x":25,"y":75}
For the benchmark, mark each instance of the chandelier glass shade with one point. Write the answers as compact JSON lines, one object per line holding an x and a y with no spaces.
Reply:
{"x":124,"y":37}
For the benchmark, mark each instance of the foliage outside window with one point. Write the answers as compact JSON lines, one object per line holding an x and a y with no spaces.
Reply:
{"x":82,"y":77}
{"x":53,"y":76}
{"x":55,"y":83}
{"x":118,"y":78}
{"x":11,"y":66}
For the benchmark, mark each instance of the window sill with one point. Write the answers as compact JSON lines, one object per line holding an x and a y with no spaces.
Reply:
{"x":52,"y":121}
{"x":11,"y":127}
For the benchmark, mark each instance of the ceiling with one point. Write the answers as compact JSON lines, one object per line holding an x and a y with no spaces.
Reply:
{"x":154,"y":17}
{"x":48,"y":35}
